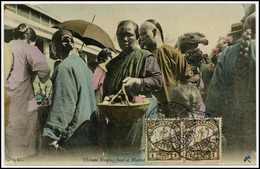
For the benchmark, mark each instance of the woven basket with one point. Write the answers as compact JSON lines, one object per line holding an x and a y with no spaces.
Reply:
{"x":123,"y":112}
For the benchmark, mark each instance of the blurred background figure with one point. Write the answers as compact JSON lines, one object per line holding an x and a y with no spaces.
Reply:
{"x":235,"y":33}
{"x":231,"y":94}
{"x":103,"y":57}
{"x":222,"y":43}
{"x":248,"y":9}
{"x":208,"y":69}
{"x":22,"y":130}
{"x":189,"y":44}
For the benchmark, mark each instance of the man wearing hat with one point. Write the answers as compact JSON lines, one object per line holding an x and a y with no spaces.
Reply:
{"x":236,"y":32}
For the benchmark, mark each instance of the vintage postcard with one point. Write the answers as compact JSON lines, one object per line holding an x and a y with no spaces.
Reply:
{"x":132,"y":84}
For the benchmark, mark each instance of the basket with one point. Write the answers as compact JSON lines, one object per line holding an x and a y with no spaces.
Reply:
{"x":124,"y":112}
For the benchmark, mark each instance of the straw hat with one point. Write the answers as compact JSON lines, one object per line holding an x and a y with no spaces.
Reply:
{"x":236,"y":28}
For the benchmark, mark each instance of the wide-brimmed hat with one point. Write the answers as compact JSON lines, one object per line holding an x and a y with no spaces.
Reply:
{"x":236,"y":28}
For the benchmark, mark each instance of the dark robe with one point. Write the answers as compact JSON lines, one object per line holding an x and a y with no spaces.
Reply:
{"x":136,"y":63}
{"x":232,"y":96}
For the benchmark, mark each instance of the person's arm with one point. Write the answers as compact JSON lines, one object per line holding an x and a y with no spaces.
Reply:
{"x":65,"y":98}
{"x":153,"y":75}
{"x":38,"y":63}
{"x":151,"y":78}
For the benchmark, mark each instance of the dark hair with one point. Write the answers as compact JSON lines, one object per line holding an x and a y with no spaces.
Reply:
{"x":58,"y":36}
{"x":157,"y":25}
{"x":129,"y":21}
{"x":103,"y":55}
{"x":59,"y":44}
{"x":31,"y":34}
{"x":23,"y":31}
{"x":20,"y":30}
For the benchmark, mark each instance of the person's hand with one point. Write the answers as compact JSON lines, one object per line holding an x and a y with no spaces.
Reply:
{"x":54,"y":144}
{"x":211,"y":67}
{"x":130,"y":81}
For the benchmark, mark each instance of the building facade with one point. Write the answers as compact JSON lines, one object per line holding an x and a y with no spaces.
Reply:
{"x":42,"y":23}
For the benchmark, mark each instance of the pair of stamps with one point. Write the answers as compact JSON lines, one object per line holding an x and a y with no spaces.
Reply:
{"x":183,"y":139}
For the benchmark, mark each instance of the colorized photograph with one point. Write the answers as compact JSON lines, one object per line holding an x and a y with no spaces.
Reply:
{"x":130,"y":84}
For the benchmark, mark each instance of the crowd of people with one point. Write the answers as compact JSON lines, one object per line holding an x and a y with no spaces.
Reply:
{"x":179,"y":81}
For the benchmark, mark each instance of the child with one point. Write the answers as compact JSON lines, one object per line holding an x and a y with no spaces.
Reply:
{"x":186,"y":102}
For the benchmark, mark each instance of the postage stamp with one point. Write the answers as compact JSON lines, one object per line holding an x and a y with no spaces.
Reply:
{"x":183,"y":139}
{"x":163,"y":140}
{"x":202,"y":139}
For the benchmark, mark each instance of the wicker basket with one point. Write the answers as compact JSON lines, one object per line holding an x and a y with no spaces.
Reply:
{"x":123,"y":112}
